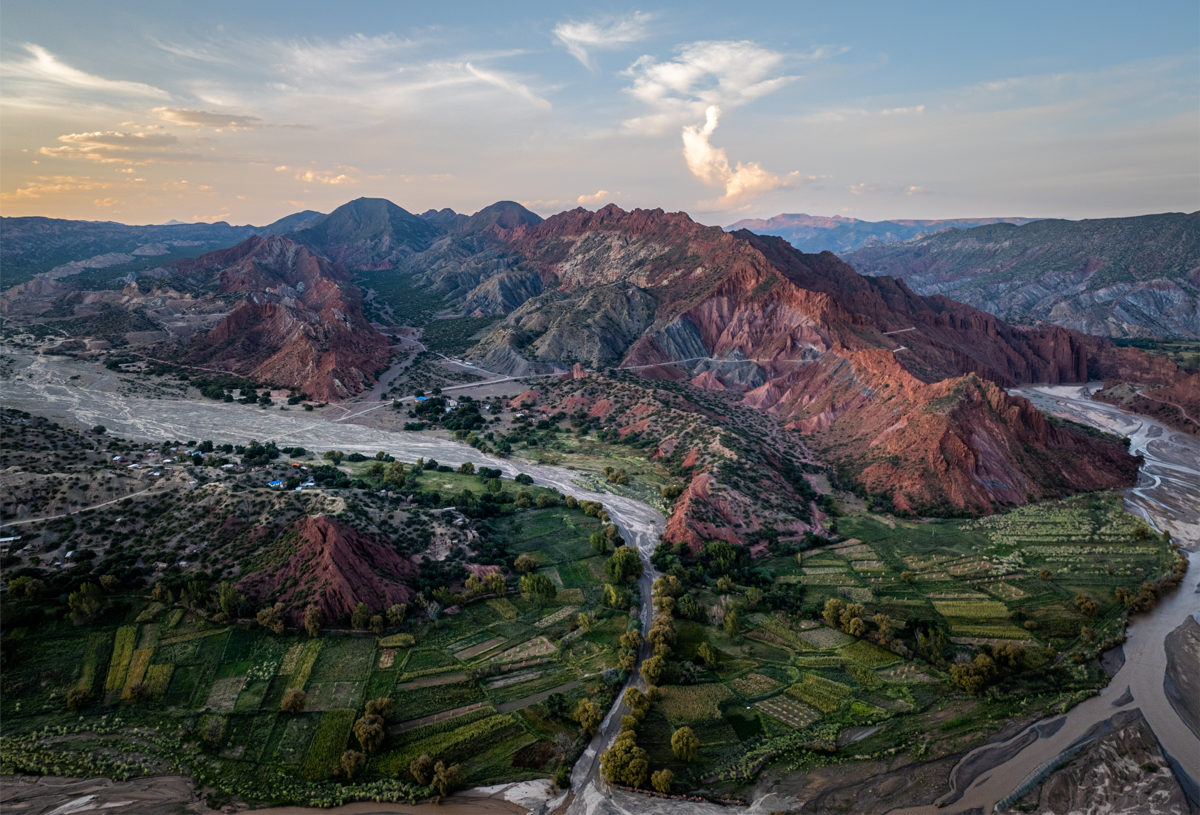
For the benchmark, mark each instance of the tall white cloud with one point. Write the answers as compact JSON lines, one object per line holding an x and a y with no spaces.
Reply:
{"x":710,"y":164}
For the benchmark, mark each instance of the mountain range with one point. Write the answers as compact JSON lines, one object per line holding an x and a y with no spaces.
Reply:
{"x":903,"y":392}
{"x":839,"y":234}
{"x":1115,"y":277}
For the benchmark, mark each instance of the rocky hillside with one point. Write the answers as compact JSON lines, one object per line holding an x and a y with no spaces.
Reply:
{"x":367,"y":233}
{"x":838,"y":234}
{"x":900,"y":390}
{"x":1118,"y":277}
{"x":298,"y":322}
{"x":329,"y":564}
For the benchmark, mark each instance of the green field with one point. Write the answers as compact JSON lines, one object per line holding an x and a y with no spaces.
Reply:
{"x":213,"y":691}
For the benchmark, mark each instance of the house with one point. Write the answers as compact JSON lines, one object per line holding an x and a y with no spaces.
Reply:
{"x":276,"y":483}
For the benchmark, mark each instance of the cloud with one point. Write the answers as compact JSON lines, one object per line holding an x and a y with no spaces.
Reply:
{"x":205,"y":118}
{"x":54,"y":185}
{"x":887,"y":189}
{"x":903,"y":111}
{"x":115,"y":147}
{"x":711,"y":165}
{"x":510,"y":85}
{"x":318,"y":176}
{"x":602,"y":34}
{"x":44,"y":67}
{"x":600,"y":196}
{"x":726,"y":73}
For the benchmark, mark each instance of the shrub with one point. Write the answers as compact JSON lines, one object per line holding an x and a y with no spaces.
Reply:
{"x":661,"y":780}
{"x":523,"y":479}
{"x":446,"y":778}
{"x":77,"y":698}
{"x":293,"y":701}
{"x":421,"y":769}
{"x":353,"y":763}
{"x":272,"y":618}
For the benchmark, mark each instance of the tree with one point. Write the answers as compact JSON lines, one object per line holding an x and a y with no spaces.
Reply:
{"x":421,"y":769}
{"x":685,"y":744}
{"x":599,"y":543}
{"x":667,"y":586}
{"x":665,"y":605}
{"x":525,"y":563}
{"x":974,"y":676}
{"x":625,"y":566}
{"x":556,"y":705}
{"x":376,"y":623}
{"x":369,"y":732}
{"x":466,"y":468}
{"x":361,"y":616}
{"x":547,"y":499}
{"x":732,"y":622}
{"x":195,"y":595}
{"x":689,"y":608}
{"x":908,"y":577}
{"x":396,"y":614}
{"x":631,"y":640}
{"x":85,"y":603}
{"x":294,"y":701}
{"x":228,"y":599}
{"x":496,"y":583}
{"x":753,"y":597}
{"x":833,"y":612}
{"x":588,"y":716}
{"x":353,"y":763}
{"x":662,"y":634}
{"x":615,"y":597}
{"x":159,"y":593}
{"x":537,"y":588}
{"x":446,"y":778}
{"x":884,"y":621}
{"x":711,"y":657}
{"x":855,"y":627}
{"x":524,"y":499}
{"x":653,"y":668}
{"x":625,"y":763}
{"x":380,"y":707}
{"x":661,"y":780}
{"x":335,"y":456}
{"x":109,"y":583}
{"x":312,"y":620}
{"x":1086,"y":605}
{"x":271,"y":618}
{"x":725,"y":584}
{"x":473,"y":586}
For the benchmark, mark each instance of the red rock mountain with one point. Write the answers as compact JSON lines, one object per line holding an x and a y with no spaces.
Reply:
{"x":904,"y":392}
{"x":299,"y":323}
{"x":320,"y":561}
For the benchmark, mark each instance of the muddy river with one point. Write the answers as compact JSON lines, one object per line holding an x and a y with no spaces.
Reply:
{"x":1168,"y":496}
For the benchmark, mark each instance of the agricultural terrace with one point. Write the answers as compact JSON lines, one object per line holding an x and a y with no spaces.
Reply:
{"x":490,"y":687}
{"x":926,"y":636}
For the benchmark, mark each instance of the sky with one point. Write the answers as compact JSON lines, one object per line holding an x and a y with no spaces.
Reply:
{"x":144,"y":112}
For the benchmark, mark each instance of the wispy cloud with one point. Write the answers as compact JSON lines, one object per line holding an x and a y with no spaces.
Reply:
{"x":116,"y":147}
{"x":45,"y":68}
{"x":205,"y":118}
{"x":601,"y":34}
{"x":866,"y":188}
{"x":55,"y":185}
{"x":711,"y":165}
{"x":723,"y":73}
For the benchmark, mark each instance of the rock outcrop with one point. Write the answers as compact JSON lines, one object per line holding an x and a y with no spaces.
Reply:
{"x":321,"y":562}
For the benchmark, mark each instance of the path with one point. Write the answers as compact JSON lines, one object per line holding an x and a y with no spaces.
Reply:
{"x":76,"y":512}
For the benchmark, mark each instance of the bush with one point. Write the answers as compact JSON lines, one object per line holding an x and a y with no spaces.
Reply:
{"x":353,"y":763}
{"x":294,"y":701}
{"x":272,"y":618}
{"x":524,"y":479}
{"x":77,"y":698}
{"x":661,"y":780}
{"x":421,"y":769}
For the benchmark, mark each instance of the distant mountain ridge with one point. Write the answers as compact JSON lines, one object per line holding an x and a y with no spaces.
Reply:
{"x":839,"y":234}
{"x":1118,"y":277}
